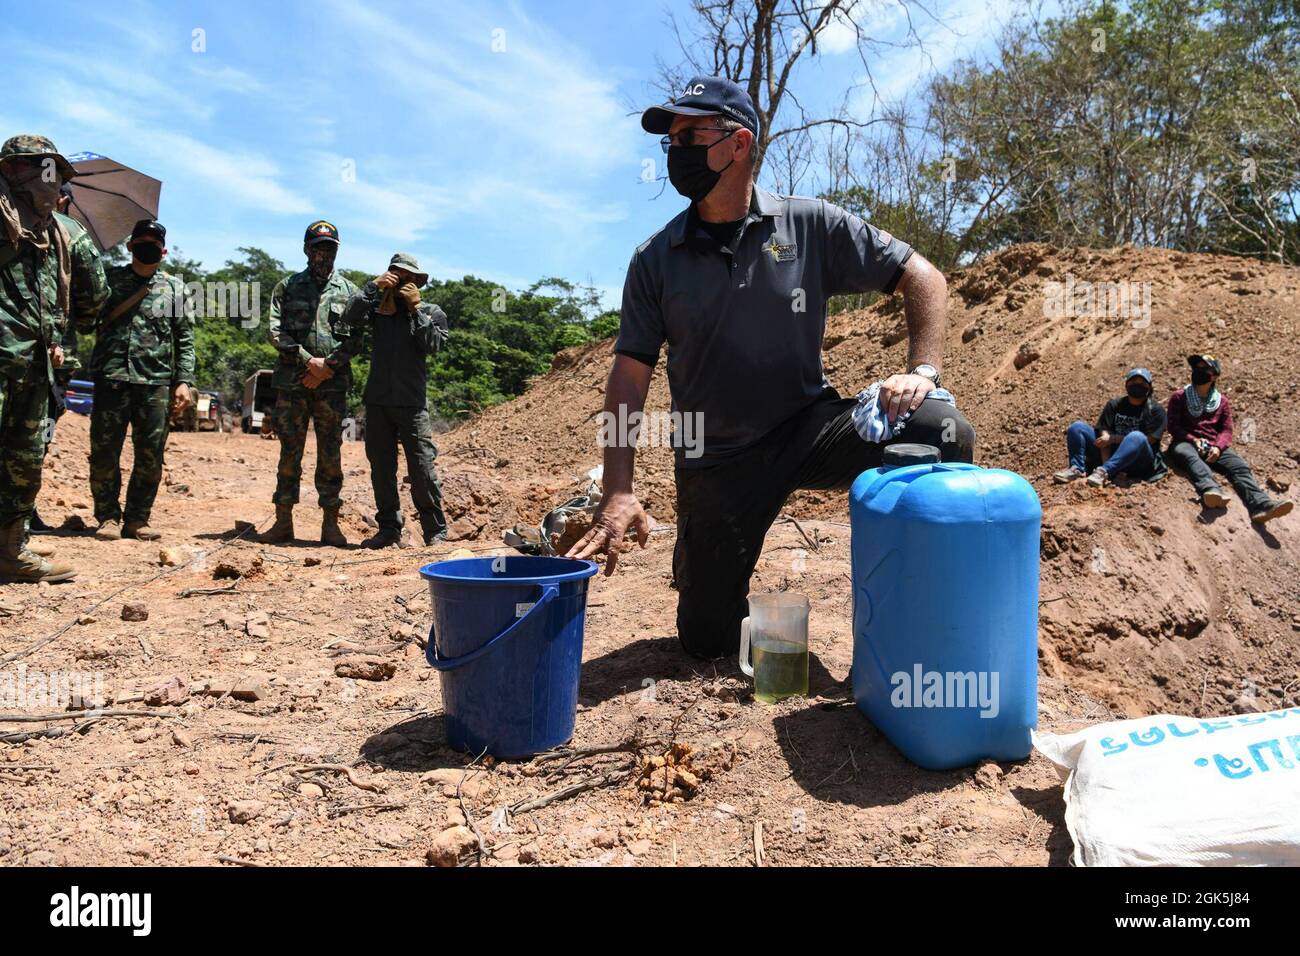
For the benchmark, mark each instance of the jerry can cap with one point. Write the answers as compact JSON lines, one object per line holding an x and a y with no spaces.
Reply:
{"x":909,"y":454}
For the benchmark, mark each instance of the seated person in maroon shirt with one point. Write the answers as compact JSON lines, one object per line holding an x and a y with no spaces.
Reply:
{"x":1200,"y":423}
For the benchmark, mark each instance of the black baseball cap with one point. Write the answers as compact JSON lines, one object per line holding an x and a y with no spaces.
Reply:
{"x":321,"y":231}
{"x":704,"y":96}
{"x":149,"y":227}
{"x":1210,"y":360}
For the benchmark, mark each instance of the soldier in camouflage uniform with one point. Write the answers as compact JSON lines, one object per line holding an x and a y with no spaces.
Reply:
{"x":403,"y":332}
{"x":143,"y":364}
{"x":312,"y":378}
{"x":89,"y":292}
{"x":36,"y":298}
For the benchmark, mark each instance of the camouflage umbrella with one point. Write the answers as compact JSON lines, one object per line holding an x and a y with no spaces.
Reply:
{"x":109,"y":198}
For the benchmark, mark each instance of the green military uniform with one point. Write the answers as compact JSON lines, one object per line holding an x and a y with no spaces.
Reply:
{"x":139,"y":359}
{"x":400,"y":340}
{"x":307,"y":322}
{"x":36,"y":297}
{"x":89,"y":292}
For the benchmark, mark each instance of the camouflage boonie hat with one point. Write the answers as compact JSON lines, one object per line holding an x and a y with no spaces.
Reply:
{"x":406,"y":261}
{"x":31,"y":146}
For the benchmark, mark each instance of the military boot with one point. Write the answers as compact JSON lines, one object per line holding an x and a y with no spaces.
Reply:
{"x":139,"y":530}
{"x":384,"y":538}
{"x":282,"y":531}
{"x":19,"y":565}
{"x":330,"y":532}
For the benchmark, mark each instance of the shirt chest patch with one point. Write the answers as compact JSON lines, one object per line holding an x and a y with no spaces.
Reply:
{"x":781,"y":252}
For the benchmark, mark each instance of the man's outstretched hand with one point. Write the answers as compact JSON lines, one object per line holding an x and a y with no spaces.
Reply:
{"x":616,"y":514}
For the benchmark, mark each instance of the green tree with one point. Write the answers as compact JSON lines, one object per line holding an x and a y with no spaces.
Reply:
{"x":1155,"y":122}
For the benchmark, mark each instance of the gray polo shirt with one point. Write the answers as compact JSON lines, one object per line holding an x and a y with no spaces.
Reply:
{"x":744,"y":326}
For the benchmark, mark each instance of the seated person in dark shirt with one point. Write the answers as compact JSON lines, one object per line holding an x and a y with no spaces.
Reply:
{"x":1125,"y":440}
{"x":1200,"y":424}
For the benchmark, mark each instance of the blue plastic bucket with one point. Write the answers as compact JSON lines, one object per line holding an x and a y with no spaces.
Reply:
{"x":507,"y":641}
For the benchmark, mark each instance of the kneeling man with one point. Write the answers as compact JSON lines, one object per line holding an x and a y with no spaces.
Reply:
{"x":736,"y":286}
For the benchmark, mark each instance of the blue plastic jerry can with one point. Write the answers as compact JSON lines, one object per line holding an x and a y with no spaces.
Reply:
{"x":945,"y":607}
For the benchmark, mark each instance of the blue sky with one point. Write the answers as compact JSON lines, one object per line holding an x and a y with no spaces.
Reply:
{"x":490,"y":138}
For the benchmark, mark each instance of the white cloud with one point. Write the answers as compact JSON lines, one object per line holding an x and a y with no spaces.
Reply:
{"x":965,"y":26}
{"x":111,"y":119}
{"x":537,"y":97}
{"x":229,"y":78}
{"x":876,"y":18}
{"x":246,"y":177}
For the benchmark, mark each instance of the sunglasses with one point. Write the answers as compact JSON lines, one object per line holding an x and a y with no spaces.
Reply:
{"x":687,"y":137}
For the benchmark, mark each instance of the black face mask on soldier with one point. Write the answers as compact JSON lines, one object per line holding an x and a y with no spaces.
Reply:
{"x":1201,"y":375}
{"x":689,"y":172}
{"x":1138,"y":391}
{"x":320,"y":260}
{"x":147,"y":253}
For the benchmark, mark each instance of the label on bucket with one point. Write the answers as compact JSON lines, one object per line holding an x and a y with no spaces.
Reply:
{"x":522,"y":609}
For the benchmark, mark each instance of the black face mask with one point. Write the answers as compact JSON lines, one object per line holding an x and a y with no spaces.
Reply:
{"x":320,"y":262}
{"x":147,"y":253}
{"x":1201,"y":375}
{"x":1138,"y":391}
{"x":689,"y":172}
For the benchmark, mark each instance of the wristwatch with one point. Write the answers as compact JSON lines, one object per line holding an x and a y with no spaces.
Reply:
{"x":927,"y":371}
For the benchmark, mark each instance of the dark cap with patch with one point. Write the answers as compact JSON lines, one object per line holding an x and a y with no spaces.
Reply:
{"x":704,"y":96}
{"x":407,"y":263}
{"x":31,"y":146}
{"x":149,"y":227}
{"x":321,"y":231}
{"x":1210,"y":360}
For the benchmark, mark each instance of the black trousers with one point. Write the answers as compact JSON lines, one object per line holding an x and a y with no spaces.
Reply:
{"x":724,"y":510}
{"x":1231,"y":464}
{"x":387,"y":426}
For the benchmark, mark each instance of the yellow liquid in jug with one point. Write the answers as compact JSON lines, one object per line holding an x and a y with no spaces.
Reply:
{"x":780,"y":670}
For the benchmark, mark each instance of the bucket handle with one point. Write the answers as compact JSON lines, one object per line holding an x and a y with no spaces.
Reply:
{"x":549,"y":593}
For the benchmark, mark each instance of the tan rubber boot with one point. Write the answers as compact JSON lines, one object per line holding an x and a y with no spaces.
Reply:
{"x":109,"y":531}
{"x":140,"y":531}
{"x":282,"y":531}
{"x":330,"y":532}
{"x":19,"y":565}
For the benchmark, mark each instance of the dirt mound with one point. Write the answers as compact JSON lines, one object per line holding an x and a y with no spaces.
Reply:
{"x":1148,"y":603}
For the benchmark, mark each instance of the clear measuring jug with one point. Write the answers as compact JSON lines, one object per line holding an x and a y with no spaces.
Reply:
{"x":775,"y":635}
